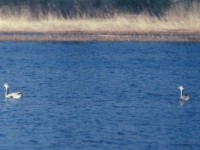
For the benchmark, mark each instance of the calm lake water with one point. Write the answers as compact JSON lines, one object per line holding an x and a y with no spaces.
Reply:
{"x":109,"y":96}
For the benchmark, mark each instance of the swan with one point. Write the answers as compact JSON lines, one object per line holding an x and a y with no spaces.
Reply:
{"x":183,"y":97}
{"x":16,"y":95}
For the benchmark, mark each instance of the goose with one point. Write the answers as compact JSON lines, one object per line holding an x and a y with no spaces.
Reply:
{"x":16,"y":95}
{"x":183,"y":97}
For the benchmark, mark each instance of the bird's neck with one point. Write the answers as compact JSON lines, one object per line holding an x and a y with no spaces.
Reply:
{"x":181,"y":93}
{"x":6,"y":92}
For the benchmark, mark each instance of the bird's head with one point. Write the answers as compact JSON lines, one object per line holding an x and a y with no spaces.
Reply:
{"x":6,"y":85}
{"x":181,"y":87}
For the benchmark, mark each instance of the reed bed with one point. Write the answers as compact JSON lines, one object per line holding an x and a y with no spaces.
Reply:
{"x":176,"y":19}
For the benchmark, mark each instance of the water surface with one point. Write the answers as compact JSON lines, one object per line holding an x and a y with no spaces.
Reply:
{"x":100,"y":96}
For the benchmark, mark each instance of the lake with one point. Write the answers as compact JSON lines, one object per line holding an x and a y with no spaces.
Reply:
{"x":111,"y":96}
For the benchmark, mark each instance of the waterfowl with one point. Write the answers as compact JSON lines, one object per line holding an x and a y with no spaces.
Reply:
{"x":16,"y":95}
{"x":185,"y":97}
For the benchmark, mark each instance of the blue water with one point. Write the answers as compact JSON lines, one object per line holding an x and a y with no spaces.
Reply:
{"x":108,"y":96}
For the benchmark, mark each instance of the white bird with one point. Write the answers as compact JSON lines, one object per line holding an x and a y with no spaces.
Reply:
{"x":16,"y":95}
{"x":183,"y":97}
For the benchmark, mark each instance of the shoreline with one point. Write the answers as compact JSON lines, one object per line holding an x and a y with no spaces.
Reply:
{"x":88,"y":36}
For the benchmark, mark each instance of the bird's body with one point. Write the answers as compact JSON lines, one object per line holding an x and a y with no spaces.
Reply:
{"x":16,"y":95}
{"x":185,"y":97}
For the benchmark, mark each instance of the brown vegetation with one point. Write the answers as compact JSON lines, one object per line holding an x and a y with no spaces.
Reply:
{"x":178,"y":20}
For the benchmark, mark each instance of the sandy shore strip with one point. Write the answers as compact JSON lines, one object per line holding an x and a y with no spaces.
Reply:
{"x":76,"y":36}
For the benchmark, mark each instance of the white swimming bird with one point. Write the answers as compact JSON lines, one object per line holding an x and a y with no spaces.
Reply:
{"x":16,"y":95}
{"x":183,"y":97}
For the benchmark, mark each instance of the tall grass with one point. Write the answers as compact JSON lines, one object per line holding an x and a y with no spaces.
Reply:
{"x":178,"y":18}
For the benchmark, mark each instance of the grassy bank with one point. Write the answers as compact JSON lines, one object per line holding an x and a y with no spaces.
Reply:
{"x":178,"y":21}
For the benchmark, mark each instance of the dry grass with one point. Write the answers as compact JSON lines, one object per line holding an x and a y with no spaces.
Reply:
{"x":176,"y":19}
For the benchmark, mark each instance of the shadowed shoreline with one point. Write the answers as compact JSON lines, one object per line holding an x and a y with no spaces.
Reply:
{"x":77,"y":36}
